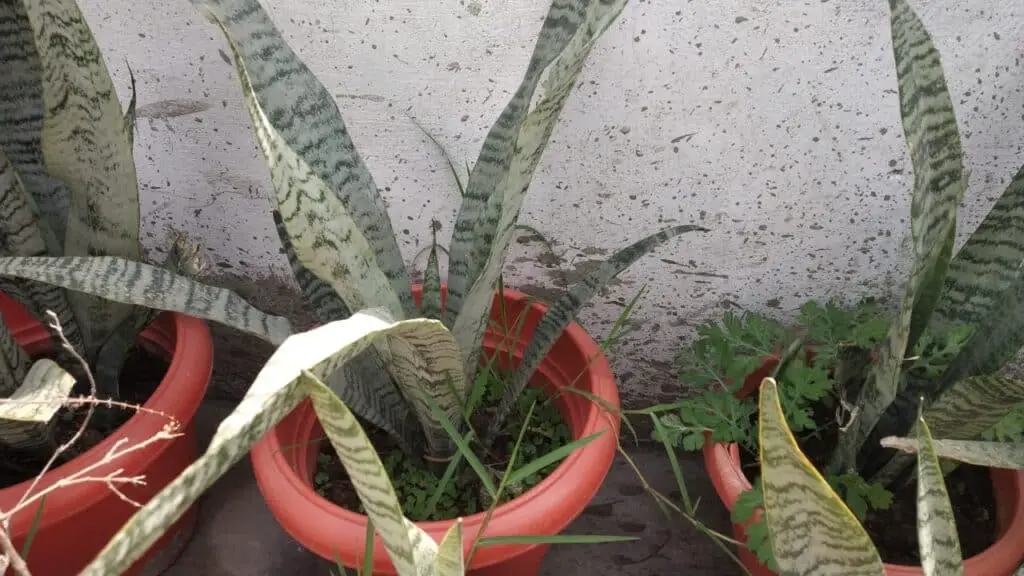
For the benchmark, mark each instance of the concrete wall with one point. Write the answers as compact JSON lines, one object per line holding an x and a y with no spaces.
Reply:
{"x":773,"y":123}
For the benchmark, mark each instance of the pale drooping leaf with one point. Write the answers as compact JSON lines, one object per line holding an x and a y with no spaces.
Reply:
{"x":23,"y":234}
{"x":450,"y":560}
{"x":140,"y":284}
{"x":929,"y":125}
{"x":561,"y":313}
{"x":26,"y":418}
{"x":978,"y":452}
{"x":936,"y":527}
{"x":509,"y":156}
{"x":85,"y":145}
{"x":430,"y":300}
{"x":317,"y":172}
{"x":277,"y":390}
{"x":812,"y":531}
{"x":14,"y":362}
{"x":21,"y":120}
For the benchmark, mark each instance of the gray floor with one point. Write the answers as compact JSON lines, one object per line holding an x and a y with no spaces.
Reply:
{"x":237,"y":535}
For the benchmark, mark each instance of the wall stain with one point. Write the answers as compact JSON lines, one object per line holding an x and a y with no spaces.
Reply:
{"x":172,"y":108}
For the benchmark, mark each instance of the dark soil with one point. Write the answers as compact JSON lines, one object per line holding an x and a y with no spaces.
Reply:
{"x":140,"y":376}
{"x":416,"y":482}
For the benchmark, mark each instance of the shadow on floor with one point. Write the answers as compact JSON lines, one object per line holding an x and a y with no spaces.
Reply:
{"x":237,"y":535}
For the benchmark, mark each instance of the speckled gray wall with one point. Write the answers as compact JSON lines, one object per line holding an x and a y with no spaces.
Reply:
{"x":773,"y":123}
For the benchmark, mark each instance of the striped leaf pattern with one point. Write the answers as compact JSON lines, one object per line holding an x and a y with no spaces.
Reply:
{"x":561,"y":313}
{"x":936,"y":527}
{"x":973,"y":405}
{"x":21,"y":234}
{"x":296,"y":108}
{"x":510,"y":153}
{"x":21,"y":119}
{"x":85,"y":145}
{"x":14,"y":362}
{"x":430,"y":300}
{"x":277,"y":390}
{"x":376,"y":398}
{"x":977,"y":452}
{"x":141,"y":284}
{"x":26,"y":419}
{"x":325,"y":237}
{"x":929,"y":125}
{"x":450,"y":560}
{"x":811,"y":529}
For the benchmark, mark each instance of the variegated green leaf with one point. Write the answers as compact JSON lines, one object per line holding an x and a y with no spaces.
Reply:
{"x":317,"y":172}
{"x":430,"y":301}
{"x":21,"y":120}
{"x":377,"y":399}
{"x":14,"y":362}
{"x":326,"y":238}
{"x":85,"y":145}
{"x":561,"y":313}
{"x":929,"y":125}
{"x":450,"y":560}
{"x":936,"y":527}
{"x":977,"y":452}
{"x":151,"y":286}
{"x":509,"y":157}
{"x":276,"y":391}
{"x":812,"y":531}
{"x":22,"y":234}
{"x":26,"y":417}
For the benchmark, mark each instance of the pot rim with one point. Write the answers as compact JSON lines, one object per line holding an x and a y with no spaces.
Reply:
{"x":544,"y":509}
{"x":188,"y":342}
{"x":725,"y":469}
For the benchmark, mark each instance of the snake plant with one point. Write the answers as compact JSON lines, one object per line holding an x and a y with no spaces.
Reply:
{"x":69,"y":200}
{"x":296,"y":372}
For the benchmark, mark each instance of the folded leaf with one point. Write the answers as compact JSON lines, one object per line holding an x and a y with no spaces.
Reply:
{"x":929,"y":125}
{"x":561,"y":313}
{"x":321,"y":175}
{"x":978,"y":452}
{"x":277,"y":390}
{"x":14,"y":362}
{"x":26,"y":417}
{"x":936,"y":527}
{"x":450,"y":560}
{"x":972,"y":406}
{"x":151,"y":286}
{"x":430,"y":300}
{"x":812,"y":531}
{"x":509,"y":156}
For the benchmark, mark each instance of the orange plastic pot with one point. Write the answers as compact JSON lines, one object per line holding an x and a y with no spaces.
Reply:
{"x":285,"y":475}
{"x":1001,"y":559}
{"x":78,"y":520}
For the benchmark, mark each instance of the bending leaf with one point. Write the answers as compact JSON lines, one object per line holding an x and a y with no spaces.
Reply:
{"x":303,"y":116}
{"x":972,"y":406}
{"x":936,"y":527}
{"x":14,"y":362}
{"x":812,"y":530}
{"x":561,"y":313}
{"x":509,"y":156}
{"x":144,"y":285}
{"x":280,"y":386}
{"x":929,"y":124}
{"x":26,"y":417}
{"x":980,"y":453}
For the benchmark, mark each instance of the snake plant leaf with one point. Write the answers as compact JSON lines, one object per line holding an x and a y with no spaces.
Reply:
{"x":327,"y":239}
{"x":561,"y":313}
{"x":130,"y":112}
{"x":21,"y":234}
{"x":382,"y":405}
{"x":450,"y":560}
{"x":319,"y":175}
{"x":141,"y":284}
{"x":14,"y":362}
{"x":26,"y":417}
{"x":930,"y":128}
{"x":936,"y":526}
{"x":510,"y":154}
{"x":277,"y":390}
{"x":812,"y":531}
{"x":430,"y":301}
{"x":977,"y":452}
{"x":21,"y":120}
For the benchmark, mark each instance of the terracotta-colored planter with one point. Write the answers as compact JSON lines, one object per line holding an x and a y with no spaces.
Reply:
{"x":285,"y":476}
{"x":1005,"y":555}
{"x":79,"y":520}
